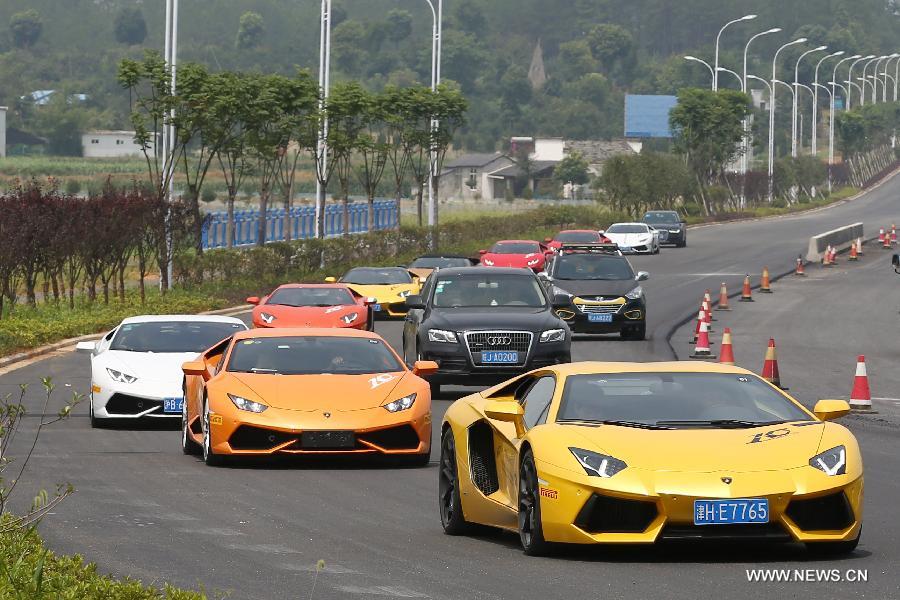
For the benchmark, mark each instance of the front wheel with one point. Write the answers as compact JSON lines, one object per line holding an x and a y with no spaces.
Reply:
{"x":531,"y":531}
{"x":209,"y":457}
{"x":452,"y":519}
{"x":188,"y":445}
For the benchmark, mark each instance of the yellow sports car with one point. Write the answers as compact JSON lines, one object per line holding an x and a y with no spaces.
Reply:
{"x":593,"y":453}
{"x":387,"y":287}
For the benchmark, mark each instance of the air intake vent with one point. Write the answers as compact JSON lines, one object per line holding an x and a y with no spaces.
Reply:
{"x":603,"y":514}
{"x":821,"y":514}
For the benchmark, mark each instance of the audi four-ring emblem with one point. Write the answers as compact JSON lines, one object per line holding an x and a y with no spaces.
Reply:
{"x":499,"y":341}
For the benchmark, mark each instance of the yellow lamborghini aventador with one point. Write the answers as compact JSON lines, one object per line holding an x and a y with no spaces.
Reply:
{"x":591,"y":453}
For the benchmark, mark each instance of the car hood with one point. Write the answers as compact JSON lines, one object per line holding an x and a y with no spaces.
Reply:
{"x":148,"y":366}
{"x":590,"y":289}
{"x":490,"y":318}
{"x":512,"y":260}
{"x":384,"y":294}
{"x":308,"y":316}
{"x":630,"y":239}
{"x":421,"y":272}
{"x":318,"y":392}
{"x":769,"y":448}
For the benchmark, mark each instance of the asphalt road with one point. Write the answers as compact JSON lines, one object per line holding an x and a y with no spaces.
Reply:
{"x":145,"y":510}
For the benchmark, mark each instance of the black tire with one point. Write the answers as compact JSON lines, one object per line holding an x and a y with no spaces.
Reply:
{"x":834,"y":548}
{"x":209,"y":457}
{"x":435,"y":389}
{"x":96,"y":422}
{"x":188,"y":445}
{"x":682,"y":243}
{"x":531,"y":531}
{"x":449,"y":503}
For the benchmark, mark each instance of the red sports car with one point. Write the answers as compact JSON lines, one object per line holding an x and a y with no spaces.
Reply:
{"x":526,"y":254}
{"x":576,"y":236}
{"x":312,"y":305}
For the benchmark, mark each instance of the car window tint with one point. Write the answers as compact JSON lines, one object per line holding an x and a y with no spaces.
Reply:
{"x":537,"y":401}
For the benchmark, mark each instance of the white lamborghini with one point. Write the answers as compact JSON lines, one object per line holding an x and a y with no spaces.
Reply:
{"x":635,"y":238}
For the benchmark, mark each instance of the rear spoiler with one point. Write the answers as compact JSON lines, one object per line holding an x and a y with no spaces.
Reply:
{"x":589,"y":248}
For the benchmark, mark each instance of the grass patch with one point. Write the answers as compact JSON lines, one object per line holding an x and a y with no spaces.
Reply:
{"x":28,"y":570}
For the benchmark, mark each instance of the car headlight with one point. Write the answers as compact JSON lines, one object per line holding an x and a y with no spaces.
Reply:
{"x":635,"y":293}
{"x":554,"y":335}
{"x":533,"y":262}
{"x":487,"y":262}
{"x":266,"y":318}
{"x":562,"y":292}
{"x":248,"y":405}
{"x":831,"y":462}
{"x":404,"y":294}
{"x":674,"y":231}
{"x":349,"y":318}
{"x":597,"y":465}
{"x":439,"y":335}
{"x":120,"y":376}
{"x":401,"y":403}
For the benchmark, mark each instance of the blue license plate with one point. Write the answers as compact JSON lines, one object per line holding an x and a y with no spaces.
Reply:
{"x":600,"y":318}
{"x":495,"y":357}
{"x":172,"y":405}
{"x":732,"y":511}
{"x":376,"y":307}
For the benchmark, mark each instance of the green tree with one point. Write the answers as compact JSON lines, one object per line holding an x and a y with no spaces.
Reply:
{"x":129,"y":26}
{"x":251,"y":29}
{"x":26,"y":28}
{"x":851,"y":131}
{"x":448,"y":109}
{"x":373,"y":148}
{"x":62,"y":122}
{"x":348,"y":107}
{"x":400,"y":25}
{"x":573,"y":168}
{"x":609,"y":43}
{"x":346,"y":48}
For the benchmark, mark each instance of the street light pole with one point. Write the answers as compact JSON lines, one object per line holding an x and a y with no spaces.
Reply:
{"x":772,"y":115}
{"x":324,"y":86}
{"x":862,"y":98}
{"x":886,"y":76}
{"x":436,"y":30}
{"x":737,"y":75}
{"x":796,"y":96}
{"x":715,"y":85}
{"x":815,"y":114}
{"x":745,"y":142}
{"x":705,"y":64}
{"x":849,"y":81}
{"x":168,"y":134}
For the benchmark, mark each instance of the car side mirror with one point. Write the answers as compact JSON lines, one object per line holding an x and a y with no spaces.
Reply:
{"x":482,"y":252}
{"x":828,"y":410}
{"x":507,"y":411}
{"x":424,"y":367}
{"x":86,"y":347}
{"x":331,"y":280}
{"x":642,"y":276}
{"x":561,"y":301}
{"x":414,"y":301}
{"x":895,"y":260}
{"x":253,"y":300}
{"x":194,"y":367}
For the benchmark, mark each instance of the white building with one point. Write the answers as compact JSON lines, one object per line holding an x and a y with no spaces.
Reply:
{"x":2,"y":131}
{"x":109,"y":144}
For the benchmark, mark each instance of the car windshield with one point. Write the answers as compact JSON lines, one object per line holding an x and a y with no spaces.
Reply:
{"x":592,"y":266}
{"x":661,"y":217}
{"x":171,"y":336}
{"x":488,"y":290}
{"x":439,"y":262}
{"x":516,"y":248}
{"x":312,"y":355}
{"x":369,"y":276}
{"x":311,"y":297}
{"x":578,"y":237}
{"x":676,"y":400}
{"x":627,"y":229}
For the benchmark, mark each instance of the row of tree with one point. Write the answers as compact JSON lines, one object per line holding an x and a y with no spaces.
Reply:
{"x":57,"y":247}
{"x":267,"y":124}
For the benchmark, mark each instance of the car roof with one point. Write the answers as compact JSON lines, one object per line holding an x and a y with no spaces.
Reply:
{"x":305,"y":332}
{"x":296,"y":286}
{"x":516,"y":242}
{"x":579,"y":231}
{"x":486,"y":270}
{"x":439,"y":255}
{"x":629,"y":223}
{"x":683,"y":366}
{"x":185,"y":318}
{"x":377,"y":269}
{"x":664,"y":212}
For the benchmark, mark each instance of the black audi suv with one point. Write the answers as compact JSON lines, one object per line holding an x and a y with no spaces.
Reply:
{"x":484,"y":325}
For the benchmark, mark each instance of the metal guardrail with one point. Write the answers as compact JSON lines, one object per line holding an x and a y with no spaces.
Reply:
{"x":302,"y":222}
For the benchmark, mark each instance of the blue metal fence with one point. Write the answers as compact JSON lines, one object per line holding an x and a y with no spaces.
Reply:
{"x":302,"y":223}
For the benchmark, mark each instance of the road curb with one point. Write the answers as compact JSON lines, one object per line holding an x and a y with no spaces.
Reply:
{"x":12,"y":359}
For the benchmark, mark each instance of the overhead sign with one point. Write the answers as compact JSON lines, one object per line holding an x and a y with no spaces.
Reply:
{"x":648,"y":116}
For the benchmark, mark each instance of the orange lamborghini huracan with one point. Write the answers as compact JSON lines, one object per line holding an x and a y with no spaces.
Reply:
{"x":306,"y":391}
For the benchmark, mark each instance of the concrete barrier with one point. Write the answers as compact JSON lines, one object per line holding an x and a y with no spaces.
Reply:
{"x":839,"y":238}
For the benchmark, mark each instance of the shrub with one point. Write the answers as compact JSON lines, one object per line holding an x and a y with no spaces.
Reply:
{"x":208,"y":194}
{"x":73,"y":186}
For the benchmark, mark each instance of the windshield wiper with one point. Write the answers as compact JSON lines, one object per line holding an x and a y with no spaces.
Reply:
{"x":722,"y":423}
{"x":635,"y":424}
{"x":258,"y":370}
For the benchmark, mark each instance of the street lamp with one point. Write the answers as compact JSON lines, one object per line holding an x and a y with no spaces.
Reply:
{"x":849,"y":81}
{"x":740,"y":80}
{"x":436,"y":30}
{"x":705,"y":64}
{"x":815,"y":114}
{"x":168,"y":133}
{"x":324,"y":85}
{"x":886,"y":76}
{"x":875,"y":77}
{"x":715,"y":85}
{"x":745,"y":155}
{"x":796,"y":96}
{"x":772,"y":114}
{"x":862,"y":97}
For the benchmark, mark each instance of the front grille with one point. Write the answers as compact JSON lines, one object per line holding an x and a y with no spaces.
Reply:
{"x":821,"y":514}
{"x":123,"y":404}
{"x":394,"y":438}
{"x":603,"y":514}
{"x":758,"y":532}
{"x":247,"y":437}
{"x":595,"y":309}
{"x":502,"y":341}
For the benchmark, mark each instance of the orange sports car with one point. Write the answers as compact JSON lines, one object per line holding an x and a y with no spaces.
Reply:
{"x":306,"y":391}
{"x":313,"y":305}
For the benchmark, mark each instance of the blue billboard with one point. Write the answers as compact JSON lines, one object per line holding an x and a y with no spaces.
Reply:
{"x":648,"y":116}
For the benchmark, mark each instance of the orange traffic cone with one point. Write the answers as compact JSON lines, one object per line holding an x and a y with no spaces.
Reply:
{"x":853,"y":253}
{"x":770,"y":366}
{"x":746,"y":293}
{"x":701,"y":350}
{"x":859,"y":248}
{"x":881,"y":236}
{"x":723,"y":298}
{"x":861,"y":397}
{"x":827,"y":260}
{"x":764,"y":282}
{"x":893,"y":233}
{"x":707,"y":315}
{"x":700,"y":319}
{"x":886,"y":242}
{"x":800,"y":272}
{"x":708,"y":299}
{"x":727,"y":357}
